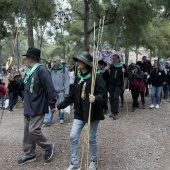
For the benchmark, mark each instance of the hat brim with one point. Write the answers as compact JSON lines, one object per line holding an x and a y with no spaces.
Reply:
{"x":84,"y":61}
{"x":29,"y":55}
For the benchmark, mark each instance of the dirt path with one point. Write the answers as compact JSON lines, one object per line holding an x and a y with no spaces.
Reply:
{"x":137,"y":141}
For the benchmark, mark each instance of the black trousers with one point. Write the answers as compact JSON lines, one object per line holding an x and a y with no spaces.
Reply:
{"x":142,"y":94}
{"x":105,"y":105}
{"x":114,"y":99}
{"x":146,"y":86}
{"x":135,"y":95}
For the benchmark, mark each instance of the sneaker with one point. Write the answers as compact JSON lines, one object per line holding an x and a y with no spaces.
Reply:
{"x":157,"y":106}
{"x":73,"y":167}
{"x":46,"y":123}
{"x":49,"y":153}
{"x":115,"y":117}
{"x":151,"y":106}
{"x":93,"y":165}
{"x":61,"y":121}
{"x":26,"y":159}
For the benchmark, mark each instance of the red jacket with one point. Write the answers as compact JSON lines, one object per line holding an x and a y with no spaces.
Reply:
{"x":4,"y":89}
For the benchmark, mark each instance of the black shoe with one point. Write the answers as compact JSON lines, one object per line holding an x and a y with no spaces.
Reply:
{"x":49,"y":153}
{"x":10,"y":110}
{"x":115,"y":117}
{"x":25,"y":160}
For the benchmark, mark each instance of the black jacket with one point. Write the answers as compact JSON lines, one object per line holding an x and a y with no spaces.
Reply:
{"x":16,"y":86}
{"x":116,"y":76}
{"x":145,"y":67}
{"x":43,"y":95}
{"x":157,"y":78}
{"x":81,"y":107}
{"x":105,"y":76}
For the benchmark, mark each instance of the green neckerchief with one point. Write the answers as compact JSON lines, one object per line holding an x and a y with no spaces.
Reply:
{"x":82,"y":78}
{"x":101,"y":71}
{"x":58,"y":68}
{"x":120,"y":64}
{"x":30,"y":71}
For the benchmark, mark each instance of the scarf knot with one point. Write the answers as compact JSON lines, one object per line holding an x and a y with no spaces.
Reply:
{"x":82,"y":78}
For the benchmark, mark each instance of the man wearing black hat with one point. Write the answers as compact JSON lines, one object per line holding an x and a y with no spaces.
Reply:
{"x":105,"y":74}
{"x":39,"y":93}
{"x":81,"y":98}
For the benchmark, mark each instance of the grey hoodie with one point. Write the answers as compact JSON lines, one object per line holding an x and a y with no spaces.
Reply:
{"x":61,"y":80}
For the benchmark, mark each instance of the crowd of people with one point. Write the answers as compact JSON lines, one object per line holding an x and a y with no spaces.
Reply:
{"x":41,"y":88}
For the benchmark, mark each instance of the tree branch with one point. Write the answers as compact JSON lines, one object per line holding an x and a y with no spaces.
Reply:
{"x":79,"y":14}
{"x":97,"y":26}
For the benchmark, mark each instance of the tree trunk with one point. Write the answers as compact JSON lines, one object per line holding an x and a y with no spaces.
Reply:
{"x":86,"y":25}
{"x":136,"y":51}
{"x":150,"y":57}
{"x":0,"y":57}
{"x":29,"y":21}
{"x":18,"y":54}
{"x":126,"y":55}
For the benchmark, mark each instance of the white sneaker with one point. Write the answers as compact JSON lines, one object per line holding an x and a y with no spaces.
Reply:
{"x":61,"y":121}
{"x":151,"y":106}
{"x":73,"y":167}
{"x":93,"y":165}
{"x":157,"y":106}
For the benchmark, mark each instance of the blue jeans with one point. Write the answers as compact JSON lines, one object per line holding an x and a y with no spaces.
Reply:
{"x":74,"y":138}
{"x":156,"y":92}
{"x":49,"y":116}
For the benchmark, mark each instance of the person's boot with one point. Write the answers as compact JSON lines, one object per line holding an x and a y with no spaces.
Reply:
{"x":111,"y":115}
{"x":133,"y":109}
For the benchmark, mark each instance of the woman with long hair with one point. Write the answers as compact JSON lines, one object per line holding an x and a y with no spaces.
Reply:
{"x":157,"y":78}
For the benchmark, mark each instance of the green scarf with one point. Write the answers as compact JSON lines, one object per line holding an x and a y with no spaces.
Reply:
{"x":58,"y":68}
{"x":30,"y":71}
{"x":120,"y":64}
{"x":80,"y":76}
{"x":101,"y":71}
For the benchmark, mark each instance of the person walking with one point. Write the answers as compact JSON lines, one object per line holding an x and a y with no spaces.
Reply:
{"x":145,"y":67}
{"x":105,"y":74}
{"x":39,"y":93}
{"x":157,"y":79}
{"x":61,"y":82}
{"x":135,"y":78}
{"x":118,"y":71}
{"x":82,"y":98}
{"x":15,"y":89}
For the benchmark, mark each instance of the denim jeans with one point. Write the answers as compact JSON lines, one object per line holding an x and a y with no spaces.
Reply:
{"x":74,"y":138}
{"x":13,"y":99}
{"x":156,"y":92}
{"x":166,"y":90}
{"x":49,"y":116}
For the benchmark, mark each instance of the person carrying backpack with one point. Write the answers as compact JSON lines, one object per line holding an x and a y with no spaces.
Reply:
{"x":135,"y":78}
{"x":61,"y":82}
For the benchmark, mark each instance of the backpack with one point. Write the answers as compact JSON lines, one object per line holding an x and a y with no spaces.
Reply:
{"x":134,"y":84}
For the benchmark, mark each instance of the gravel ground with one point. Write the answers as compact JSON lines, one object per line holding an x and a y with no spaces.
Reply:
{"x":137,"y":141}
